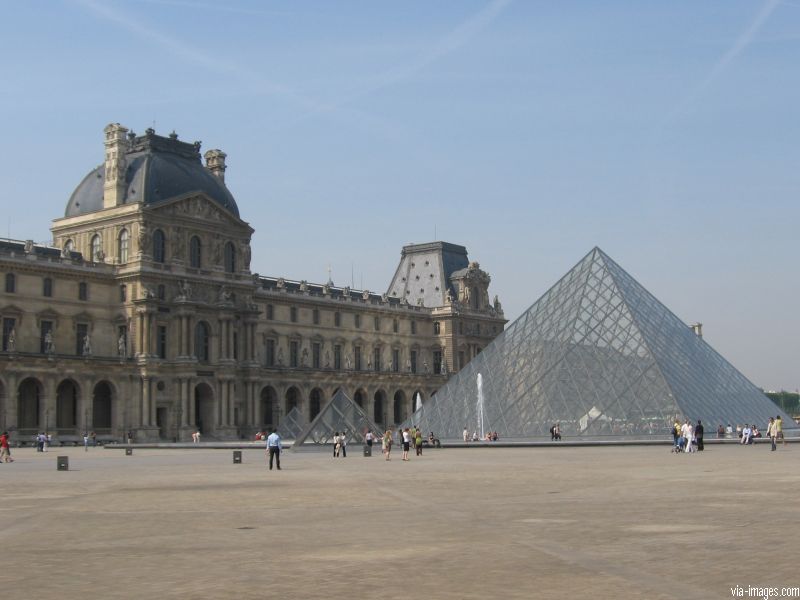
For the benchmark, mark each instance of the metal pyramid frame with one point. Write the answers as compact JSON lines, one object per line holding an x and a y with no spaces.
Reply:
{"x":600,"y":355}
{"x":292,"y":424}
{"x":340,"y":414}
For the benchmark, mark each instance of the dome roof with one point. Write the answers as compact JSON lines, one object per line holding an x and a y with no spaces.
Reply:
{"x":158,"y":169}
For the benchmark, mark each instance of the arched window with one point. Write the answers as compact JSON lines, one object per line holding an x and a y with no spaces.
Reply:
{"x":195,"y":252}
{"x":69,"y":246}
{"x":11,"y":283}
{"x":437,"y":328}
{"x":96,"y":248}
{"x":230,"y":258}
{"x":123,"y":246}
{"x":201,"y":339}
{"x":159,"y":246}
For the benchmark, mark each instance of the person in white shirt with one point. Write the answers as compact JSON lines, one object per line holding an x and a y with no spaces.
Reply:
{"x":747,"y":433}
{"x":406,"y":443}
{"x":466,"y":434}
{"x":274,"y":448}
{"x":687,"y":433}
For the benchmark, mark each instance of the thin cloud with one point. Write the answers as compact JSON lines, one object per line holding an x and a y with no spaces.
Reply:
{"x":739,"y":46}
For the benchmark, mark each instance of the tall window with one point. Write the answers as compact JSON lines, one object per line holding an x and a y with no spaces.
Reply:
{"x":337,"y":357}
{"x":293,"y":314}
{"x":230,"y":258}
{"x":235,"y":345}
{"x":395,"y":326}
{"x":159,"y":246}
{"x":201,"y":338}
{"x":44,"y":328}
{"x":47,"y":287}
{"x":316,"y":353}
{"x":123,"y":246}
{"x":437,"y":362}
{"x":161,"y":292}
{"x":195,"y":252}
{"x":269,"y":352}
{"x":357,"y":353}
{"x":161,"y":341}
{"x":413,"y":361}
{"x":293,"y":353}
{"x":376,"y":360}
{"x":8,"y":327}
{"x":80,"y":334}
{"x":270,"y":312}
{"x":358,"y":321}
{"x":437,"y":328}
{"x":395,"y":360}
{"x":413,"y":327}
{"x":337,"y":319}
{"x":316,"y":316}
{"x":11,"y":283}
{"x":377,"y":323}
{"x":96,"y":248}
{"x":83,"y":291}
{"x":123,"y":293}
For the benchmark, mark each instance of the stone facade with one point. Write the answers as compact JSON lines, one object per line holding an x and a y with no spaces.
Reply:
{"x":144,"y":316}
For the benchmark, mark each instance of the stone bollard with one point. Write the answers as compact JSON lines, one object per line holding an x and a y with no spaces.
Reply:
{"x":62,"y":463}
{"x":237,"y":457}
{"x":128,"y":451}
{"x":367,"y":450}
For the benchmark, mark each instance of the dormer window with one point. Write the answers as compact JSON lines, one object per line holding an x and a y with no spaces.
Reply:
{"x":123,"y":241}
{"x":97,"y":248}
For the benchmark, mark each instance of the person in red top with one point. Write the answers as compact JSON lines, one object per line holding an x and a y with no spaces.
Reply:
{"x":5,"y":453}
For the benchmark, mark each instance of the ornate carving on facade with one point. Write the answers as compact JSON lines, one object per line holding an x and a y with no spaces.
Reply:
{"x":29,"y":248}
{"x":184,"y":291}
{"x":87,"y":346}
{"x":304,"y":286}
{"x":145,"y":239}
{"x":280,"y":283}
{"x":12,"y":340}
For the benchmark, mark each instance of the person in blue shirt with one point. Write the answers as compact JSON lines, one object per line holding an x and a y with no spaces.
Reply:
{"x":274,"y":448}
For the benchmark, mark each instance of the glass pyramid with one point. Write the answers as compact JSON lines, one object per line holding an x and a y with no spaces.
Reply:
{"x":339,"y":414}
{"x":292,"y":424}
{"x":600,"y":355}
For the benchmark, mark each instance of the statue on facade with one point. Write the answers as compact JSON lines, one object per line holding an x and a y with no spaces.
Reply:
{"x":497,"y":306}
{"x":224,"y":295}
{"x":247,"y":254}
{"x":304,"y":358}
{"x":365,"y":295}
{"x":327,"y":359}
{"x":304,"y":286}
{"x":87,"y":345}
{"x":144,"y":239}
{"x":408,"y":365}
{"x":280,"y":283}
{"x":122,"y":346}
{"x":326,"y":290}
{"x":177,"y":243}
{"x":29,"y":247}
{"x":425,"y":368}
{"x":443,"y":367}
{"x":280,"y":357}
{"x":49,"y":344}
{"x":148,"y":293}
{"x":12,"y":340}
{"x":348,"y":363}
{"x":65,"y":252}
{"x":449,"y":296}
{"x":184,"y":290}
{"x":217,"y":250}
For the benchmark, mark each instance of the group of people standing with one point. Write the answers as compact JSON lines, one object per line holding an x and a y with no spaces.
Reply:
{"x":408,"y":437}
{"x":340,"y":444}
{"x":687,"y":437}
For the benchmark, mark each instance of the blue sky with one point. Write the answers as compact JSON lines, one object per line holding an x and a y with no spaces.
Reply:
{"x":664,"y":132}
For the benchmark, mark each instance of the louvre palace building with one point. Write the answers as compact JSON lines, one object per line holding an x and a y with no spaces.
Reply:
{"x":143,"y":314}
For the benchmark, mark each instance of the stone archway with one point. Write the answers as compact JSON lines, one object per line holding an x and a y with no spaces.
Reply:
{"x":293,"y":399}
{"x":29,"y":405}
{"x":314,"y":403}
{"x":67,"y":405}
{"x":269,"y":399}
{"x":204,"y":413}
{"x":360,"y":398}
{"x":102,"y":407}
{"x":379,"y":408}
{"x":399,"y":408}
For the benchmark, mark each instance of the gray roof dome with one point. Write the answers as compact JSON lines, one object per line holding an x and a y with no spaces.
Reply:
{"x":158,"y":169}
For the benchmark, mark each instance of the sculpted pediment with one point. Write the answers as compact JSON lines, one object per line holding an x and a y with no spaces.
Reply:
{"x":198,"y":207}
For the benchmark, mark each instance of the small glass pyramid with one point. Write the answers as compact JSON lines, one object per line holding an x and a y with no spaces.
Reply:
{"x":598,"y":354}
{"x":339,"y":414}
{"x":292,"y":424}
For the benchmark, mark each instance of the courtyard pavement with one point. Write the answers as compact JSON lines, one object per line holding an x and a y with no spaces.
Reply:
{"x":618,"y":522}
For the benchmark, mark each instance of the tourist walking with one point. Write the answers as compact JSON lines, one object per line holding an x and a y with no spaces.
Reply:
{"x":5,"y":450}
{"x":369,"y":438}
{"x":687,"y":432}
{"x":343,"y":443}
{"x":418,"y":441}
{"x":85,"y":442}
{"x":386,"y":444}
{"x":466,"y":434}
{"x":336,"y":444}
{"x":772,"y":433}
{"x":698,"y":435}
{"x":406,"y":443}
{"x":779,"y":430}
{"x":274,"y":449}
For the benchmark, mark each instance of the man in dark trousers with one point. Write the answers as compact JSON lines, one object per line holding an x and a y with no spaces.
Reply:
{"x":274,"y":449}
{"x":698,"y":433}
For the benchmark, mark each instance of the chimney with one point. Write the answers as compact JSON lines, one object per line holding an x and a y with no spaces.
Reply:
{"x":116,"y":164}
{"x":698,"y":329}
{"x":215,"y":162}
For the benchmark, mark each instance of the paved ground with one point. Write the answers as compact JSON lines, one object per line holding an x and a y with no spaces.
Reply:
{"x":629,"y":522}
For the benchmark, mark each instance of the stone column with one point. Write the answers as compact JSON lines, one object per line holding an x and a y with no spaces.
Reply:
{"x":47,"y":414}
{"x":140,"y":334}
{"x":145,"y":401}
{"x":192,"y":407}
